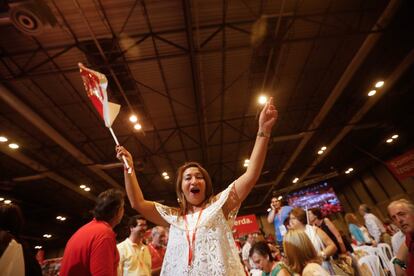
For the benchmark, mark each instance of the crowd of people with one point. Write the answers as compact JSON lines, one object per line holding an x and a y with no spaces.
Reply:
{"x":200,"y":239}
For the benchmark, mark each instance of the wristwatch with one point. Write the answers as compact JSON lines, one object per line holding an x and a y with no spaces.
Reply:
{"x":399,"y":262}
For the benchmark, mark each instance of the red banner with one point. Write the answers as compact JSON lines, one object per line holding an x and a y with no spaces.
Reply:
{"x":245,"y":225}
{"x":403,"y":165}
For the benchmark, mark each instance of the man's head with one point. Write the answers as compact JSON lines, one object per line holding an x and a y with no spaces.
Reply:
{"x":159,"y":236}
{"x":137,"y":226}
{"x":250,"y":238}
{"x":402,"y":213}
{"x":364,"y":209}
{"x":110,"y":207}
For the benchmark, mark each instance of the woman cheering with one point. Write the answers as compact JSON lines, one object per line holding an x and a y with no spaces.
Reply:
{"x":200,"y":240}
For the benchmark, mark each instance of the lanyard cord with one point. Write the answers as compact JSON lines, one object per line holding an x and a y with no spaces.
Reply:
{"x":191,"y":242}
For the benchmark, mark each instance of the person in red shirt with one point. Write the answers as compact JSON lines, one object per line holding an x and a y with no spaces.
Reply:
{"x":92,"y":249}
{"x":157,"y":248}
{"x":402,"y":213}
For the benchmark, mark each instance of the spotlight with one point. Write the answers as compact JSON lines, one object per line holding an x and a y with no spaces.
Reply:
{"x":262,"y":100}
{"x":133,"y":119}
{"x":379,"y":84}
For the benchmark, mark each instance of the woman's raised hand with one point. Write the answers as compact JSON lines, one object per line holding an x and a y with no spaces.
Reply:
{"x":267,"y":117}
{"x":121,"y":151}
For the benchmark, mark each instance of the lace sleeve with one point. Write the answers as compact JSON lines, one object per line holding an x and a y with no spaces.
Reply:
{"x":232,"y":204}
{"x":170,"y":214}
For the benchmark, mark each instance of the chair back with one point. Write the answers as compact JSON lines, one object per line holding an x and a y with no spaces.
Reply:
{"x":373,"y":264}
{"x":386,"y":250}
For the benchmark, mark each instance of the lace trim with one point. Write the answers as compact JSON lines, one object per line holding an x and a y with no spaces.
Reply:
{"x":223,"y":200}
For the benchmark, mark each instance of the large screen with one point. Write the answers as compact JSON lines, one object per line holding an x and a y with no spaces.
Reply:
{"x":317,"y":196}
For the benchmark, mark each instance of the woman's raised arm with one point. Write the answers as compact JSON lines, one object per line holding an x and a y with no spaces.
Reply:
{"x":145,"y":207}
{"x":267,"y":119}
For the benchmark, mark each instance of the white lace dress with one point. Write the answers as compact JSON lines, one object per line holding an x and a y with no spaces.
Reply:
{"x":214,"y":251}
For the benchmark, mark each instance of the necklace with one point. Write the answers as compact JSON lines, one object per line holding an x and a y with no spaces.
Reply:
{"x":192,"y":240}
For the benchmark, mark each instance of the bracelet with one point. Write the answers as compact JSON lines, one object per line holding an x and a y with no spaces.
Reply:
{"x":261,"y":133}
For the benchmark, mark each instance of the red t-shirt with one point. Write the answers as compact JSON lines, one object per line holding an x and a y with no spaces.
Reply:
{"x":157,"y":256}
{"x":410,"y":245}
{"x":91,"y":251}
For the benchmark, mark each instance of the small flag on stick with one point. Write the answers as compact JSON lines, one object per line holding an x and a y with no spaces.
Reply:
{"x":95,"y":85}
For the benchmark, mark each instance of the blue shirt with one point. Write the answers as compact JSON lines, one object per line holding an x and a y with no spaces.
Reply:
{"x":356,"y":232}
{"x":279,"y":220}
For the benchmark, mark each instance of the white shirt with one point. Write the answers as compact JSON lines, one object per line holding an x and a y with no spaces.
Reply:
{"x":374,"y":226}
{"x":215,"y":252}
{"x":134,"y":259}
{"x":396,"y":241}
{"x":245,"y":254}
{"x":12,"y":261}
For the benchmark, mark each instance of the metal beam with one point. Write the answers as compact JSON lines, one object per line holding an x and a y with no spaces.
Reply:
{"x":196,"y":80}
{"x":7,"y":96}
{"x":349,"y":72}
{"x":44,"y":171}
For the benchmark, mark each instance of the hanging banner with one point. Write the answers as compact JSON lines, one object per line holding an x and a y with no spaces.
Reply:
{"x":245,"y":225}
{"x":402,"y":166}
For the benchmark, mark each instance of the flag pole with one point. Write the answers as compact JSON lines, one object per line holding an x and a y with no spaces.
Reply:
{"x":129,"y":169}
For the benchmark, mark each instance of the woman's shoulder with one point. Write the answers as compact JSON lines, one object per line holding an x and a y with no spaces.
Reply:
{"x":314,"y":269}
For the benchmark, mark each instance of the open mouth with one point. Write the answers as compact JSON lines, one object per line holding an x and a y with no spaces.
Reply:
{"x":195,"y":190}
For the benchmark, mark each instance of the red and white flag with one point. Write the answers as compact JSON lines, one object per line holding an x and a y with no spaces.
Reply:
{"x":95,"y":86}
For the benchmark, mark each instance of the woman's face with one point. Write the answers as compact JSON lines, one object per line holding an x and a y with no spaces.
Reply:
{"x":312,"y":218}
{"x":294,"y":223}
{"x":276,"y":203}
{"x":193,"y":186}
{"x":262,"y":262}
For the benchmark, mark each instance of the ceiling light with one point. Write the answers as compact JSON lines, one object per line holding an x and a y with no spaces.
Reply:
{"x":295,"y":180}
{"x":82,"y":186}
{"x":3,"y":139}
{"x":280,"y":198}
{"x":137,"y":126}
{"x":38,"y":247}
{"x":262,"y":100}
{"x":372,"y":93}
{"x":269,"y":209}
{"x":164,"y":173}
{"x":133,"y":119}
{"x":13,"y":146}
{"x":350,"y":169}
{"x":47,"y":236}
{"x":87,"y":189}
{"x":320,"y":152}
{"x":1,"y":198}
{"x":379,"y":84}
{"x":58,"y":217}
{"x":247,"y":161}
{"x":166,"y":177}
{"x":347,"y":172}
{"x":7,"y":201}
{"x":323,"y":148}
{"x":389,"y":140}
{"x":395,"y":136}
{"x":63,"y":219}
